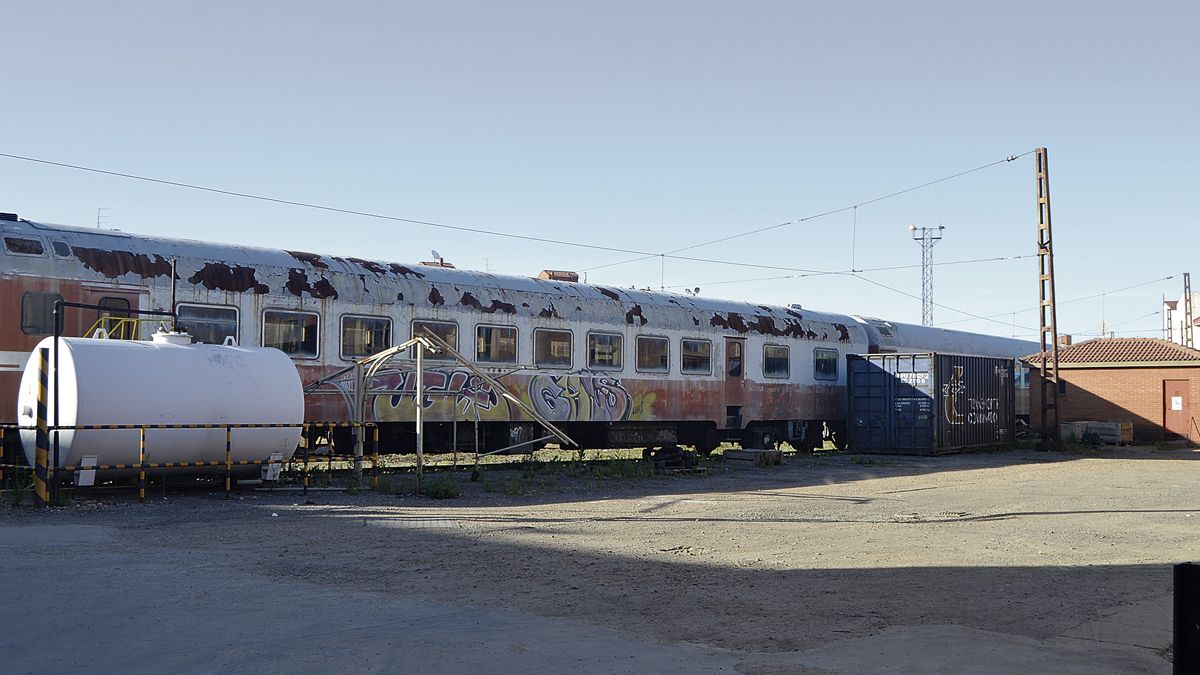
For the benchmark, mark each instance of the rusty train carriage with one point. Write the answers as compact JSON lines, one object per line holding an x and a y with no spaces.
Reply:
{"x":614,"y":367}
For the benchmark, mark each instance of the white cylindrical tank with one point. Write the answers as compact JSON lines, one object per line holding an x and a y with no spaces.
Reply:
{"x":164,"y":381}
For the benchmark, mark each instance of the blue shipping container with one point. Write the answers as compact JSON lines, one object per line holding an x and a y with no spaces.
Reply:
{"x":929,"y":403}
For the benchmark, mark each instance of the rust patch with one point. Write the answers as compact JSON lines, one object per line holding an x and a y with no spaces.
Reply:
{"x":404,"y":271}
{"x":298,"y":284}
{"x":323,"y":289}
{"x":608,"y":293}
{"x":113,"y":264}
{"x":794,"y":313}
{"x":310,"y":258}
{"x":369,"y":265}
{"x":399,"y":296}
{"x":549,"y":313}
{"x":696,"y":320}
{"x":763,"y":325}
{"x":222,"y":277}
{"x":525,"y":305}
{"x":469,"y":300}
{"x":636,"y":312}
{"x":843,"y":332}
{"x":435,"y":296}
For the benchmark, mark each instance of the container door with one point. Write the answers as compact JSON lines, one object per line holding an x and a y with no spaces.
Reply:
{"x":735,"y":373}
{"x":1177,"y":411}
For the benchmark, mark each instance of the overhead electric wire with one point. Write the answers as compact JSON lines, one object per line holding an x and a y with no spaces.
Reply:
{"x":1066,"y":302}
{"x":851,"y":271}
{"x":473,"y":230}
{"x":322,"y":207}
{"x":938,"y":304}
{"x":854,"y":207}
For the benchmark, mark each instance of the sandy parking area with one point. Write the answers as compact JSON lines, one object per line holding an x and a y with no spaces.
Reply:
{"x":1002,"y":562}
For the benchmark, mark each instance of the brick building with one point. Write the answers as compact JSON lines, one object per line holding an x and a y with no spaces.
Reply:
{"x":1151,"y":382}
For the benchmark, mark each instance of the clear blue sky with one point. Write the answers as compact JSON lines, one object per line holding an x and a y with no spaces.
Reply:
{"x":646,"y":125}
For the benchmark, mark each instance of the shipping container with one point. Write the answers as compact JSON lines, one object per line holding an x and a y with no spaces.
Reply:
{"x":929,"y":404}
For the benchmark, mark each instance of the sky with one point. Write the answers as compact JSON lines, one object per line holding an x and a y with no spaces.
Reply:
{"x":645,"y":126}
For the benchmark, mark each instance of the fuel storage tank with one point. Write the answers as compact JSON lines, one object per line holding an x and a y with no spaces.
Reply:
{"x":167,"y":380}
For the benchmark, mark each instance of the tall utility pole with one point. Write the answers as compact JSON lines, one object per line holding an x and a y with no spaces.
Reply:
{"x":1046,"y":309}
{"x":1189,"y":318}
{"x":927,"y":237}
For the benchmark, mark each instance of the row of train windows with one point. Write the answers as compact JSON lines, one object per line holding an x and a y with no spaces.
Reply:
{"x":297,"y":334}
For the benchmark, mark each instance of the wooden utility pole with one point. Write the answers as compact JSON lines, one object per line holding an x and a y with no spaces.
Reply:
{"x":1046,"y":309}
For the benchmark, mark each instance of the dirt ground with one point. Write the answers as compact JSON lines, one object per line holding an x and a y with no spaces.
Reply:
{"x":998,"y":562}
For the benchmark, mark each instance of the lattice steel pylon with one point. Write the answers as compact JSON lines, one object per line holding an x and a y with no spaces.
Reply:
{"x":1046,"y":309}
{"x":1189,"y":318}
{"x":927,"y":237}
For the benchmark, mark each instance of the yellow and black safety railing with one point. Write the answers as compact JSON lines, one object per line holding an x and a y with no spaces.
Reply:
{"x":45,"y":471}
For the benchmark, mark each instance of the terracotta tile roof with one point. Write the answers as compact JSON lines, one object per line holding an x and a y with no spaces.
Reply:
{"x":1123,"y":350}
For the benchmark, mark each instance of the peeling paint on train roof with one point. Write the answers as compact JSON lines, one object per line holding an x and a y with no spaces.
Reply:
{"x":235,"y":279}
{"x":113,"y":264}
{"x":245,"y":269}
{"x":368,"y":265}
{"x":635,"y":311}
{"x":469,"y":300}
{"x":298,"y":284}
{"x":313,"y":259}
{"x":404,"y":271}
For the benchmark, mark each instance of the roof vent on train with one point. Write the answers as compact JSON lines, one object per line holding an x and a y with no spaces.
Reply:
{"x":11,"y":217}
{"x":559,"y":275}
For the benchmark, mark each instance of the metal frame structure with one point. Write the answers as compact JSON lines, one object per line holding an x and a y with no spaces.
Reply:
{"x":928,"y":237}
{"x":1047,"y":311}
{"x":365,"y":370}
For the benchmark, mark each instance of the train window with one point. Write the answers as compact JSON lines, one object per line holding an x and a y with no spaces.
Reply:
{"x":115,"y":307}
{"x":652,"y":356}
{"x":61,"y":249}
{"x":23,"y":246}
{"x":37,"y":313}
{"x":825,"y":364}
{"x":552,"y":348}
{"x":733,"y":357}
{"x":365,"y":335}
{"x":293,"y":333}
{"x":495,"y":344}
{"x":604,"y":351}
{"x":775,"y":361}
{"x":696,"y":357}
{"x":446,"y":330}
{"x":210,"y":325}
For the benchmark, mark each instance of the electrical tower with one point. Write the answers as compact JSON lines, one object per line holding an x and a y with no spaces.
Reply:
{"x":1046,"y":309}
{"x":928,"y":237}
{"x":1189,"y":318}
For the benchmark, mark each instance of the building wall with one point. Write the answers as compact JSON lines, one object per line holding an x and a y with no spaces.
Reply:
{"x":1124,"y":394}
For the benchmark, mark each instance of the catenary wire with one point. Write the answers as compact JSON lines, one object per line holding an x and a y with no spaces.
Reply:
{"x":644,"y":255}
{"x":851,"y":207}
{"x":1065,"y":302}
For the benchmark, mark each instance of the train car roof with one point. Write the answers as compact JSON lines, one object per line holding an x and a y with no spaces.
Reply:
{"x":95,"y":248}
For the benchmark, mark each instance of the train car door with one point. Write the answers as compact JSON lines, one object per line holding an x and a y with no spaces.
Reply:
{"x":115,"y":315}
{"x":735,"y":374}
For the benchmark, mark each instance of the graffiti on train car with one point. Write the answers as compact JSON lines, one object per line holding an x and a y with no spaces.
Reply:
{"x":580,"y":397}
{"x":448,"y":393}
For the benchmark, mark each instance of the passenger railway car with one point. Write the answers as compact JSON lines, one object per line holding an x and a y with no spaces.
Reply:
{"x":613,"y":367}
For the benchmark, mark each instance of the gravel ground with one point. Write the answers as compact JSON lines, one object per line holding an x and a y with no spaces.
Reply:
{"x":997,"y":562}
